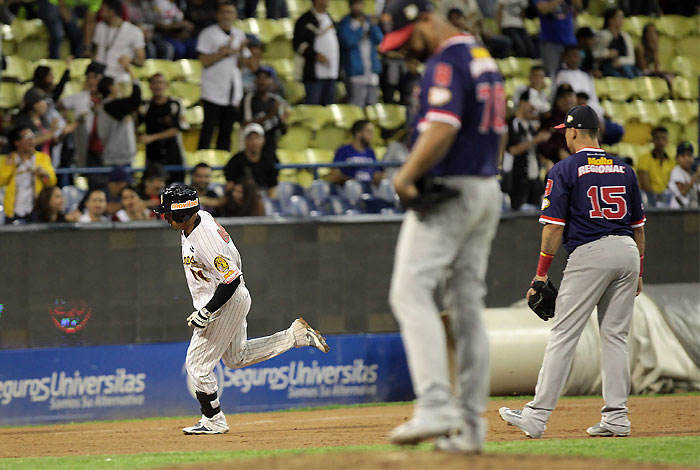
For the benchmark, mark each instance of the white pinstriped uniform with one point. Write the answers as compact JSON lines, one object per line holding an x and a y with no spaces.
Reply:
{"x":210,"y":258}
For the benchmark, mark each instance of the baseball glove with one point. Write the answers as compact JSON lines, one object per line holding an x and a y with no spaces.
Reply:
{"x":430,"y":195}
{"x":543,"y":300}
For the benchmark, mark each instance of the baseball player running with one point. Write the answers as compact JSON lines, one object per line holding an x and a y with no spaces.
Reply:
{"x":592,"y":203}
{"x":213,"y":271}
{"x":449,"y":185}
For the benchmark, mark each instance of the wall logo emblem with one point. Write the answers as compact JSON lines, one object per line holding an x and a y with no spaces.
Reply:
{"x":70,"y":316}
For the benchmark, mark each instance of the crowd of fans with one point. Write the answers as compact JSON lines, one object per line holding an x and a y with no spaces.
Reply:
{"x":97,"y":127}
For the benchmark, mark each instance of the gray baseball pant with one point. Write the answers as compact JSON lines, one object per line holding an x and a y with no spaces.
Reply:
{"x":601,"y":273}
{"x":453,"y":244}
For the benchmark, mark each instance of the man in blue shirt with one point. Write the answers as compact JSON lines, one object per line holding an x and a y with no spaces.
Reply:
{"x":556,"y":30}
{"x":357,"y":151}
{"x":456,"y":143}
{"x":593,"y":204}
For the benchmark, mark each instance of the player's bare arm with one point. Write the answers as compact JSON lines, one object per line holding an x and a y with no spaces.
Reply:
{"x":429,"y":149}
{"x":640,"y":240}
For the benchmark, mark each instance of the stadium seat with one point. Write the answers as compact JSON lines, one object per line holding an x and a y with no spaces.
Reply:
{"x":690,"y":133}
{"x":271,"y":206}
{"x":634,"y":25}
{"x":26,"y":29}
{"x":296,"y":138}
{"x":336,"y":205}
{"x":379,"y":152}
{"x":329,"y":137}
{"x":617,"y":88}
{"x":617,"y":111}
{"x":279,"y":48}
{"x":139,"y":159}
{"x":146,"y":93}
{"x":78,"y":68}
{"x":11,"y":95}
{"x":290,"y":157}
{"x":168,"y":68}
{"x":284,"y":68}
{"x":294,"y":91}
{"x":211,"y":157}
{"x":385,"y":191}
{"x":532,"y":26}
{"x":387,"y":116}
{"x":676,"y":26}
{"x":592,"y":21}
{"x":685,"y":88}
{"x":515,"y":66}
{"x":686,"y":66}
{"x":345,"y":115}
{"x":644,"y":112}
{"x":651,"y":88}
{"x":194,"y":116}
{"x":314,"y":155}
{"x":312,"y":116}
{"x":353,"y":191}
{"x":190,"y":70}
{"x":687,"y":110}
{"x":373,"y":205}
{"x":298,"y":206}
{"x":338,"y":9}
{"x":18,"y":68}
{"x":285,"y":191}
{"x":667,"y":51}
{"x":189,"y":93}
{"x":512,"y":84}
{"x":318,"y":191}
{"x":688,"y":47}
{"x":56,"y":66}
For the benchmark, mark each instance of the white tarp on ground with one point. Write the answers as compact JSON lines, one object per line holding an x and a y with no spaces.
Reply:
{"x":660,"y":356}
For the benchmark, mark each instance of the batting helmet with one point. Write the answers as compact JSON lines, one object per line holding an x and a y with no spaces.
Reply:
{"x":179,"y":200}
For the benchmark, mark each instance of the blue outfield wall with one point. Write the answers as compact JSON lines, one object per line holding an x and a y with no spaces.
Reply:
{"x":149,"y":380}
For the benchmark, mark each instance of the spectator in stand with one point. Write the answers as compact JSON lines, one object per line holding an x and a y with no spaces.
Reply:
{"x":538,"y":90}
{"x":152,"y":184}
{"x":51,"y":207}
{"x":267,"y":109}
{"x":174,"y":28}
{"x":556,"y":30}
{"x":526,"y":186}
{"x":33,"y":115}
{"x":555,"y":148}
{"x":202,"y":14}
{"x":498,"y":45}
{"x":610,"y":132}
{"x":243,"y":200}
{"x":44,"y":81}
{"x":118,"y":179}
{"x":80,"y":108}
{"x":23,"y":174}
{"x":509,"y":16}
{"x":252,"y":65}
{"x":315,"y":40}
{"x":585,"y":37}
{"x":654,"y":169}
{"x":359,"y":36}
{"x":274,"y":9}
{"x":61,"y":19}
{"x":95,"y":205}
{"x":115,"y":123}
{"x":209,"y":200}
{"x":165,"y":120}
{"x":647,"y":54}
{"x":357,"y":151}
{"x":220,"y":48}
{"x":117,"y":42}
{"x":143,"y":14}
{"x":614,"y":47}
{"x":683,"y":182}
{"x":134,"y":207}
{"x":249,"y":163}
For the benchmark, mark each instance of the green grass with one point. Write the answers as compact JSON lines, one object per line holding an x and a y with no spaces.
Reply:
{"x":665,"y":450}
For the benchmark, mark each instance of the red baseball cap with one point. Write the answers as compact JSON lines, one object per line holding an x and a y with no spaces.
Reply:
{"x":402,"y":16}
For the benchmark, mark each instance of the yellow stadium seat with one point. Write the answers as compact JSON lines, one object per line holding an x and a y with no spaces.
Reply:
{"x":168,"y":68}
{"x":644,"y":112}
{"x":279,"y":48}
{"x":283,"y":67}
{"x":676,"y":26}
{"x":688,"y":110}
{"x":601,"y":88}
{"x":684,"y":88}
{"x":667,"y":51}
{"x":291,"y":156}
{"x":345,"y":115}
{"x":686,"y":66}
{"x":688,"y":47}
{"x":634,"y":25}
{"x":194,"y":116}
{"x":78,"y":68}
{"x":294,"y":91}
{"x":211,"y":157}
{"x":651,"y":88}
{"x":617,"y":111}
{"x":315,"y":155}
{"x":330,"y":137}
{"x":296,"y":138}
{"x":690,"y":133}
{"x":512,"y":85}
{"x":338,"y":9}
{"x":318,"y":116}
{"x":72,"y":87}
{"x":189,"y":93}
{"x":387,"y":116}
{"x":379,"y":152}
{"x":618,"y":88}
{"x":10,"y":95}
{"x":26,"y":29}
{"x":592,"y":21}
{"x":532,"y":26}
{"x":139,"y":159}
{"x":674,"y":132}
{"x":18,"y":68}
{"x":146,"y":93}
{"x":190,"y":70}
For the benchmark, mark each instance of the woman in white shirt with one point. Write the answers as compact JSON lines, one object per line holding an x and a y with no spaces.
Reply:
{"x":134,"y":207}
{"x":95,"y":206}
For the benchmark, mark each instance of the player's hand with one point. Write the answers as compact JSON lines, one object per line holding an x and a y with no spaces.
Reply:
{"x":320,"y":58}
{"x":124,"y":61}
{"x":405,"y":190}
{"x":639,"y":286}
{"x":199,"y":319}
{"x":531,"y":291}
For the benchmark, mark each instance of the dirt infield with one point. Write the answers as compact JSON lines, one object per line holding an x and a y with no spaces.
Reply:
{"x":660,"y":416}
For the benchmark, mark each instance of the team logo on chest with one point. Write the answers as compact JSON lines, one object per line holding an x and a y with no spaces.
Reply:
{"x":221,"y":264}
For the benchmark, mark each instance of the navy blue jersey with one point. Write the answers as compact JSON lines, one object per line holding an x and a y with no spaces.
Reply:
{"x":462,"y":86}
{"x":592,"y":194}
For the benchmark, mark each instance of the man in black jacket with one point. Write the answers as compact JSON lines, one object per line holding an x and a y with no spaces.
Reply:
{"x":316,"y":41}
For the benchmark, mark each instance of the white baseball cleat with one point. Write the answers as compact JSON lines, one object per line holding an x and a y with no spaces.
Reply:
{"x":215,"y":425}
{"x":515,"y":417}
{"x":416,"y":430}
{"x":304,"y":335}
{"x":599,"y":430}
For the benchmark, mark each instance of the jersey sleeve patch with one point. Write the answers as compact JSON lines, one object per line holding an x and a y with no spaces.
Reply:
{"x":442,"y":75}
{"x":438,"y":96}
{"x":221,"y":264}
